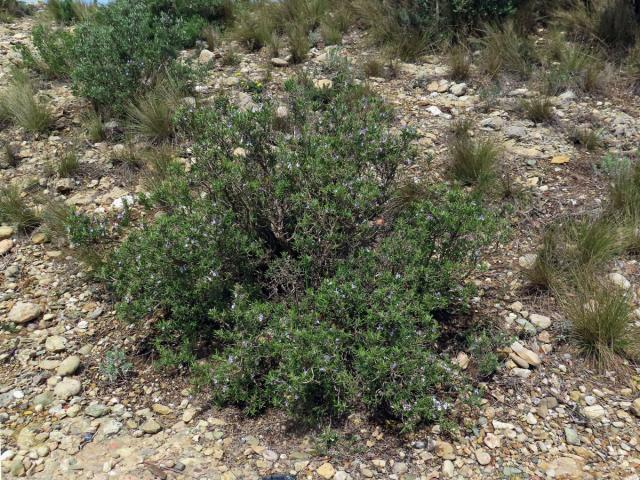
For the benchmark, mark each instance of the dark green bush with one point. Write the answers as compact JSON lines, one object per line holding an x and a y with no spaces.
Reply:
{"x":53,"y":52}
{"x":119,"y":51}
{"x":368,"y":333}
{"x":289,"y":252}
{"x":13,"y":8}
{"x":210,"y":10}
{"x":617,"y":25}
{"x":411,"y":26}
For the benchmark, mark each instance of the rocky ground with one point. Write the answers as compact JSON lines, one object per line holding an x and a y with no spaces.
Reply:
{"x":547,"y":414}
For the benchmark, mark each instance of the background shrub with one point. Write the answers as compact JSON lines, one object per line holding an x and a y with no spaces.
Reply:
{"x":124,"y":47}
{"x":53,"y":51}
{"x":411,"y":26}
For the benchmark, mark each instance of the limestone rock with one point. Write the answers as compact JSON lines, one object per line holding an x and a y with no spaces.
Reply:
{"x":323,"y":83}
{"x":161,"y":409}
{"x":279,"y":62}
{"x":541,"y":321}
{"x":97,"y":410}
{"x":55,"y":343}
{"x":23,"y":312}
{"x":68,"y":366}
{"x":444,"y":450}
{"x":594,"y":412}
{"x":527,"y":355}
{"x":67,"y":388}
{"x":527,"y":261}
{"x":326,"y":470}
{"x":205,"y":57}
{"x":619,"y":281}
{"x":483,"y":457}
{"x":5,"y":232}
{"x":5,"y":246}
{"x":151,"y":426}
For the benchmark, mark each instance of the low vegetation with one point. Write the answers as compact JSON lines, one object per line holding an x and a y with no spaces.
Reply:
{"x":290,"y":262}
{"x":601,"y":320}
{"x":505,"y":50}
{"x":459,"y":63}
{"x":70,"y":11}
{"x":67,"y":165}
{"x":573,"y":260}
{"x":305,"y":240}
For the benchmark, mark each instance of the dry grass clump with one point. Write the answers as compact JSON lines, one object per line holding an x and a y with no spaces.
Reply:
{"x":211,"y":35}
{"x":572,"y":262}
{"x":158,"y":164}
{"x":151,"y":116}
{"x":577,"y":244}
{"x":68,"y":165}
{"x":600,"y":317}
{"x":94,"y":127}
{"x":459,"y":63}
{"x":15,"y":211}
{"x":473,"y":161}
{"x":20,"y":106}
{"x":538,"y":110}
{"x":585,"y":137}
{"x":505,"y":50}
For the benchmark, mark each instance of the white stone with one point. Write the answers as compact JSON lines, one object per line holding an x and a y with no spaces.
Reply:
{"x":619,"y":280}
{"x":5,"y":246}
{"x":206,"y":56}
{"x":55,"y":343}
{"x":68,"y":366}
{"x":541,"y":321}
{"x":527,"y":261}
{"x":594,"y":412}
{"x":67,"y":388}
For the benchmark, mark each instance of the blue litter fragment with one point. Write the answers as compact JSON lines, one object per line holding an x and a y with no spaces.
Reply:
{"x":278,"y":477}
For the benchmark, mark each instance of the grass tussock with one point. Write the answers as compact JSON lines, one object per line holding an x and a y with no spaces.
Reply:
{"x":574,"y":67}
{"x":298,"y":43}
{"x":400,"y":39}
{"x":380,"y":68}
{"x":211,"y":36}
{"x":624,"y":190}
{"x":505,"y":50}
{"x":68,"y":165}
{"x":55,"y":214}
{"x":15,"y":211}
{"x":151,"y":116}
{"x":600,"y":317}
{"x":70,"y":11}
{"x":577,"y":244}
{"x":10,"y":155}
{"x":473,"y":162}
{"x":459,"y":63}
{"x":538,"y":110}
{"x":20,"y":106}
{"x":10,"y":9}
{"x":94,"y":127}
{"x":159,"y":164}
{"x":230,"y":58}
{"x":585,"y":137}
